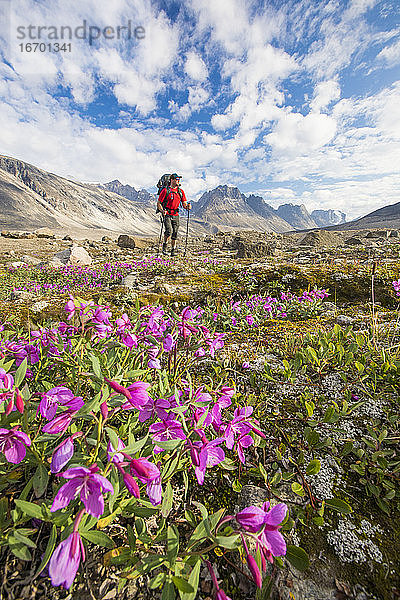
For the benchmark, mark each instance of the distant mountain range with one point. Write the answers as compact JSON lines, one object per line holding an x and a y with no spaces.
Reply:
{"x":31,"y":198}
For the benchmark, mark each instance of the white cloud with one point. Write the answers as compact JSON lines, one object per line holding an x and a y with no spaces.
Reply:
{"x":297,"y":134}
{"x":390,"y":55}
{"x":325,"y":92}
{"x":195,"y":67}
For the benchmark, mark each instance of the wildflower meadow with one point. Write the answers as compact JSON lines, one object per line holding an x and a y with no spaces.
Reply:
{"x":132,"y":435}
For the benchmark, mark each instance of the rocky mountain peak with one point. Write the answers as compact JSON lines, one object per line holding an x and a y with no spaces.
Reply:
{"x":296,"y":215}
{"x":325,"y":218}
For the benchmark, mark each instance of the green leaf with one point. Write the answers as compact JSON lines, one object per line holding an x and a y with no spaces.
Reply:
{"x":204,"y":528}
{"x":313,"y":467}
{"x":142,"y":511}
{"x":168,"y":592}
{"x":40,"y":480}
{"x":20,"y":537}
{"x":169,"y":444}
{"x":166,"y":505}
{"x":19,"y":550}
{"x":157,"y":581}
{"x":339,"y":505}
{"x":113,"y":437}
{"x":193,"y":581}
{"x":97,"y":537}
{"x":96,"y":366}
{"x":298,"y":489}
{"x":182,"y":585}
{"x":202,"y":509}
{"x":298,"y":557}
{"x":229,"y":541}
{"x":136,"y":446}
{"x":48,"y":552}
{"x":172,"y":545}
{"x":20,"y":373}
{"x":29,"y":508}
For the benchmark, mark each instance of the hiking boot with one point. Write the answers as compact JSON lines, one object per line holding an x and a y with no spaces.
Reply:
{"x":173,"y":252}
{"x":164,"y":249}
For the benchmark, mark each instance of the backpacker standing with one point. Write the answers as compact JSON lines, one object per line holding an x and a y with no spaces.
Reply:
{"x":168,"y":204}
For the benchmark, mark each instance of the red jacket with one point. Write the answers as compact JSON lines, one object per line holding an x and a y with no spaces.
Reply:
{"x":172,"y":201}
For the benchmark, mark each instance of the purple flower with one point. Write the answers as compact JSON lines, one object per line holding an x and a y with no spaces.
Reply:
{"x":154,"y":408}
{"x":65,"y":560}
{"x":59,"y":424}
{"x":138,"y":395}
{"x":167,"y":430}
{"x":154,"y":363}
{"x":144,"y":470}
{"x":271,"y":537}
{"x":13,"y":445}
{"x":251,"y":518}
{"x":6,"y":380}
{"x":58,"y":395}
{"x":122,"y":323}
{"x":86,"y":483}
{"x":129,"y":340}
{"x":238,"y":425}
{"x":70,"y":309}
{"x":241,"y":443}
{"x":209,"y":456}
{"x":62,"y":455}
{"x":116,"y":458}
{"x":154,"y":491}
{"x":168,"y":343}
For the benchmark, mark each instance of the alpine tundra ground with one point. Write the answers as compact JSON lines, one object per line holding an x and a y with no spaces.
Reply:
{"x":185,"y":394}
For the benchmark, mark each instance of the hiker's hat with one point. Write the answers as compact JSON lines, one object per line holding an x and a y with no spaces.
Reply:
{"x":175,"y":176}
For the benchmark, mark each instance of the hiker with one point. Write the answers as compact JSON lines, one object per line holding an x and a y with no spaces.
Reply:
{"x":168,"y":204}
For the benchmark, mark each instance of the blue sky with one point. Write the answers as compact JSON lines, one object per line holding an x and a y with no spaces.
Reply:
{"x":298,"y":101}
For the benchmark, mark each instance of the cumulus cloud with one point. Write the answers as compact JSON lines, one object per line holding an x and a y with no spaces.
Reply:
{"x":195,"y":67}
{"x":217,"y":92}
{"x":296,"y":134}
{"x":325,"y":92}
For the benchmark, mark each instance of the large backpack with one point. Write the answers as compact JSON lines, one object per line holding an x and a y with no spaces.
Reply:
{"x":164,"y":182}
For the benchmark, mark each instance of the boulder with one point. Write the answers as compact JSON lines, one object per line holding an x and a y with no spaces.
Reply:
{"x":76,"y":255}
{"x":126,"y":241}
{"x":130,"y":281}
{"x":44,"y":232}
{"x":250,"y":250}
{"x":354,"y":241}
{"x":394,"y":233}
{"x":381,"y":233}
{"x":320,"y":238}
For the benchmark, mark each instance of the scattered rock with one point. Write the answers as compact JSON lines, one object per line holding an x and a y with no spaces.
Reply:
{"x":39,"y":306}
{"x":20,"y":295}
{"x":130,"y":281}
{"x":249,"y":250}
{"x":44,"y":232}
{"x":354,"y":241}
{"x":380,"y":233}
{"x":127,"y":241}
{"x":251,"y":495}
{"x":76,"y":255}
{"x":30,"y":260}
{"x":320,"y":238}
{"x":344,"y":320}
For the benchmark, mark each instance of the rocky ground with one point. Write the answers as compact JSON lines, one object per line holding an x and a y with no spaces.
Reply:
{"x":354,"y":554}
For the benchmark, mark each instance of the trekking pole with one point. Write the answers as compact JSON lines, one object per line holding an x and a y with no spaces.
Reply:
{"x":187,"y":231}
{"x":159,"y":240}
